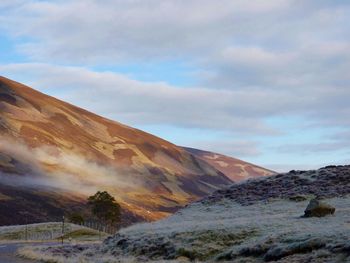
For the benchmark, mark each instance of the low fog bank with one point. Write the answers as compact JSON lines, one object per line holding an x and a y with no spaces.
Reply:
{"x":49,"y":166}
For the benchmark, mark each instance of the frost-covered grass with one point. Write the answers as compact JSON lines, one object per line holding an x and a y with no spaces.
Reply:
{"x":254,"y":221}
{"x":229,"y":215}
{"x":277,"y":223}
{"x":47,"y":231}
{"x":227,"y":231}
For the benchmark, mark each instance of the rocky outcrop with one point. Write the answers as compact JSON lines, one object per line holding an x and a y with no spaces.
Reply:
{"x":317,"y":208}
{"x":327,"y":182}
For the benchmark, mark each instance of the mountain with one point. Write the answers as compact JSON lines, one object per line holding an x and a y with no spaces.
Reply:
{"x":259,"y":220}
{"x":54,"y":154}
{"x":235,"y":169}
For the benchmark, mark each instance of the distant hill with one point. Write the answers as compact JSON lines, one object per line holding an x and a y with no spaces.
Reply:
{"x":53,"y":155}
{"x":235,"y":169}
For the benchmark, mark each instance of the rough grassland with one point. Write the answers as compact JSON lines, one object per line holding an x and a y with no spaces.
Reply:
{"x":226,"y":231}
{"x":264,"y":226}
{"x":48,"y":231}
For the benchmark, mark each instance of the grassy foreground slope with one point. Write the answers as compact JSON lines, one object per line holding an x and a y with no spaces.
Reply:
{"x":48,"y":232}
{"x":255,"y":221}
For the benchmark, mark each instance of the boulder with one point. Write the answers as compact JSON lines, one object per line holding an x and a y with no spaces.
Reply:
{"x":317,"y":208}
{"x":183,"y":259}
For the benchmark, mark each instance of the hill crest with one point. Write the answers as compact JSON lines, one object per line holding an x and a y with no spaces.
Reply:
{"x":80,"y":152}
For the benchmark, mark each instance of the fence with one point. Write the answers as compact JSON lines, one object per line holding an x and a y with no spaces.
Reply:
{"x":42,"y":235}
{"x":52,"y":230}
{"x":108,"y":229}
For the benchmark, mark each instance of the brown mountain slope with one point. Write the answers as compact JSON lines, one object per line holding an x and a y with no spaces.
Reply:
{"x":235,"y":169}
{"x":46,"y":143}
{"x":69,"y":148}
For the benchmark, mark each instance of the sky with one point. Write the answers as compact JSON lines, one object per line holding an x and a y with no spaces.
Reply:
{"x":264,"y":81}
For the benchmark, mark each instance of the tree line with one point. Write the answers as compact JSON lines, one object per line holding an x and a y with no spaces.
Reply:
{"x":103,"y":207}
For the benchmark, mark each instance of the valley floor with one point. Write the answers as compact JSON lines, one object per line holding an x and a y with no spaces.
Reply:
{"x":270,"y":230}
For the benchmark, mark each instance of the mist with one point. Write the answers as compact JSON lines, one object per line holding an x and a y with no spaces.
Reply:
{"x":48,"y":166}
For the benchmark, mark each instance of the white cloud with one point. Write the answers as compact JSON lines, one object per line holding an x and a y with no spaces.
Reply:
{"x":238,"y":111}
{"x":123,"y":99}
{"x":255,"y":60}
{"x":89,"y":31}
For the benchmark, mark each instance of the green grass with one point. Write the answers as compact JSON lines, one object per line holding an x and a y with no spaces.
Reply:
{"x":50,"y":231}
{"x":84,"y":234}
{"x":12,"y":235}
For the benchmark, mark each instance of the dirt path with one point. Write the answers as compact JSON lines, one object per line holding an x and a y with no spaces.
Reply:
{"x":8,"y":253}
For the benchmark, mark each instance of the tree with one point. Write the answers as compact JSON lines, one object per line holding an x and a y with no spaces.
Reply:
{"x":104,"y":207}
{"x":76,"y":218}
